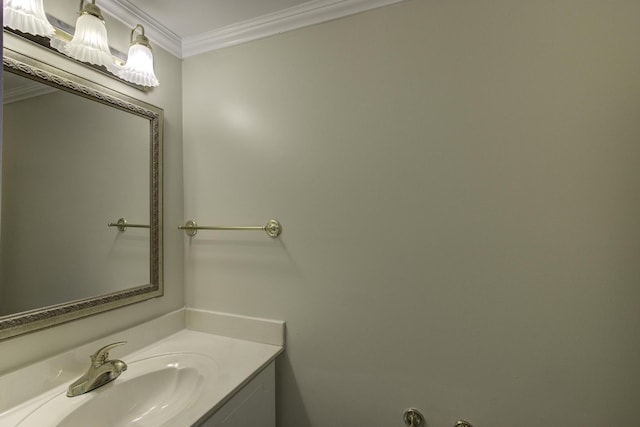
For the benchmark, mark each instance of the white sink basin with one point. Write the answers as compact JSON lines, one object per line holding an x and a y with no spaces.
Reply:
{"x":152,"y":392}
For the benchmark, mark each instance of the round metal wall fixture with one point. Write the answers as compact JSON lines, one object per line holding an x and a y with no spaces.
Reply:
{"x":413,"y":418}
{"x":192,"y":230}
{"x":273,"y":228}
{"x":463,"y":423}
{"x":121,"y":224}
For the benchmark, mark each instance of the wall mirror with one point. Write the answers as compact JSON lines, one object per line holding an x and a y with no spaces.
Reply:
{"x":76,"y":156}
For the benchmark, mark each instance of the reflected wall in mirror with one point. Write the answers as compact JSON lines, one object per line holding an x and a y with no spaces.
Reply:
{"x":75,"y":157}
{"x":69,"y":166}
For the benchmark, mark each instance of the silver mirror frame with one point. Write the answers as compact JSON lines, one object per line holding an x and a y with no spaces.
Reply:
{"x":20,"y":323}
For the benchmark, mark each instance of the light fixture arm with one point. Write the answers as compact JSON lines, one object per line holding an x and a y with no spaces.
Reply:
{"x":141,"y":38}
{"x":91,"y":9}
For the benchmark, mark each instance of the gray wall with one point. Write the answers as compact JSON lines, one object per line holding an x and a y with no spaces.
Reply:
{"x":458,"y":183}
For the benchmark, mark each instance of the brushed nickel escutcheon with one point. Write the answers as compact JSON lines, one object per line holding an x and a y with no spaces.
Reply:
{"x":413,"y":418}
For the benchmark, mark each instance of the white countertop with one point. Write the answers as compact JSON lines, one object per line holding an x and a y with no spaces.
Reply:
{"x":238,"y":361}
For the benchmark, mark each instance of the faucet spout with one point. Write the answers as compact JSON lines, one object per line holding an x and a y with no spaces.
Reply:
{"x":101,"y":371}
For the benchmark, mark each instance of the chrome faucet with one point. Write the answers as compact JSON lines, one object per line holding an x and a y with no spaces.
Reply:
{"x":101,"y":371}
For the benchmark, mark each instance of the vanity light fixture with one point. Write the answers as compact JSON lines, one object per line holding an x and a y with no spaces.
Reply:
{"x":89,"y":43}
{"x":27,"y":16}
{"x":139,"y":66}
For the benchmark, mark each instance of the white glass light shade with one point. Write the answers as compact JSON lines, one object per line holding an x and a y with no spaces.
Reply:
{"x":139,"y":66}
{"x":89,"y":43}
{"x":27,"y":16}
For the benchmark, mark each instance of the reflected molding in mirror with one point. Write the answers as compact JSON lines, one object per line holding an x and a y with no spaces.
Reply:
{"x":15,"y":324}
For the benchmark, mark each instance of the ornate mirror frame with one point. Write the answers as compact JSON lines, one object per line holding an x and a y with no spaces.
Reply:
{"x":19,"y":323}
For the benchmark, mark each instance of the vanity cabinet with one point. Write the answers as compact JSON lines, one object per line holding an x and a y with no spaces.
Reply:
{"x":253,"y":405}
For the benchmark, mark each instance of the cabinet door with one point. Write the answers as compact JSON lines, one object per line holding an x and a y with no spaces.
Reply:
{"x":253,"y":406}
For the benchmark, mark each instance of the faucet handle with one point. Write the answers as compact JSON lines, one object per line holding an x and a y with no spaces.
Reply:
{"x":102,"y":355}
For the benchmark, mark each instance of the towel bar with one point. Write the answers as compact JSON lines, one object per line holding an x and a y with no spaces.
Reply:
{"x":273,"y":228}
{"x":122,"y":225}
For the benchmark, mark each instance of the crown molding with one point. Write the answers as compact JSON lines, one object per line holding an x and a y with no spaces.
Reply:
{"x":309,"y":13}
{"x":130,"y":15}
{"x":27,"y":89}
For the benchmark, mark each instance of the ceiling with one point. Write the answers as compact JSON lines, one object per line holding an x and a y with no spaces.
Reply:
{"x":16,"y":88}
{"x":190,"y":27}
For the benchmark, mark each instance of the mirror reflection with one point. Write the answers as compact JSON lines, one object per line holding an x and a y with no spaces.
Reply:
{"x":69,"y":166}
{"x":75,"y":157}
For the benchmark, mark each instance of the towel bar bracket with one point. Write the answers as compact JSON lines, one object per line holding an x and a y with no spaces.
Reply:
{"x":413,"y":418}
